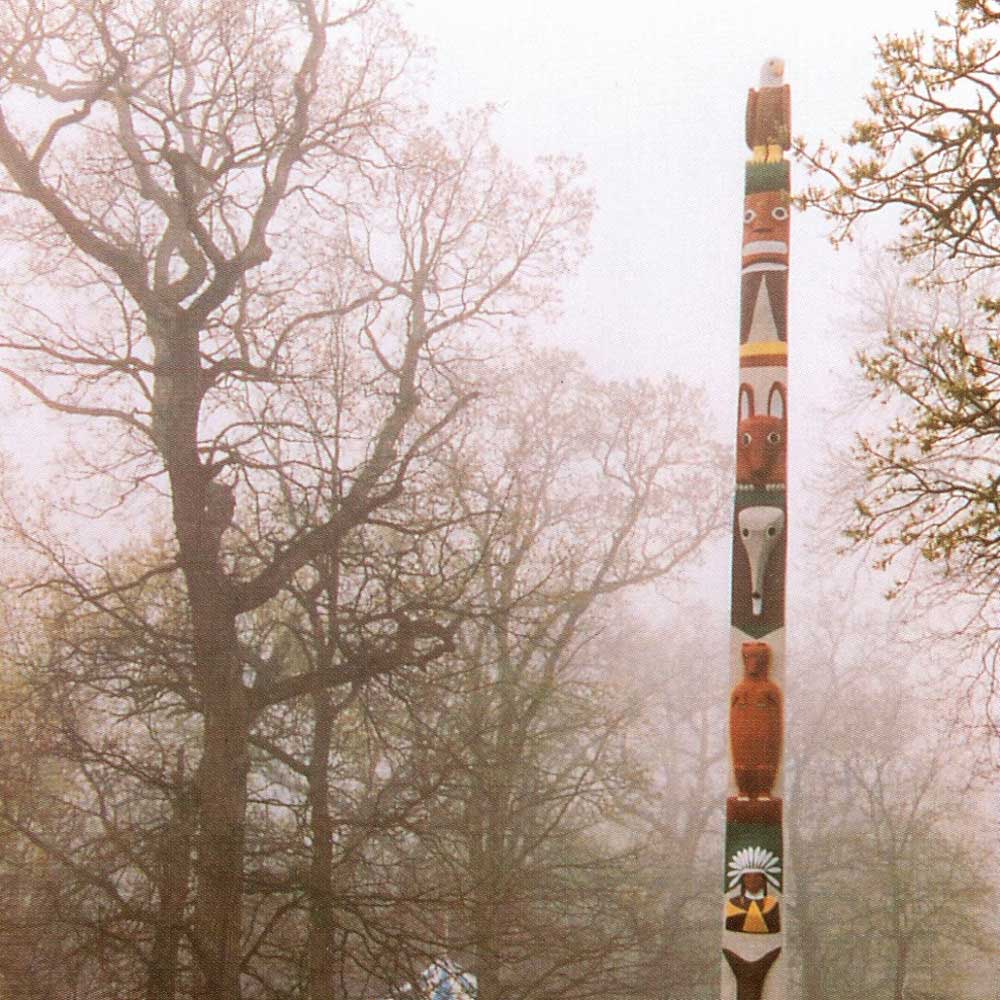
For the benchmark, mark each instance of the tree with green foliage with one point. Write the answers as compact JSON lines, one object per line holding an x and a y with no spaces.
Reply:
{"x":928,"y":154}
{"x":928,"y":147}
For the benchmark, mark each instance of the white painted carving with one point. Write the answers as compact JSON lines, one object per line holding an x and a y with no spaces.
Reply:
{"x":760,"y":528}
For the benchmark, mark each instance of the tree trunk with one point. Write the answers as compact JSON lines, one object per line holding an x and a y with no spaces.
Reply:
{"x":489,"y":911}
{"x":177,"y":396}
{"x":221,"y":844}
{"x":488,"y":983}
{"x":899,"y":981}
{"x":175,"y":879}
{"x":812,"y":972}
{"x":322,"y":979}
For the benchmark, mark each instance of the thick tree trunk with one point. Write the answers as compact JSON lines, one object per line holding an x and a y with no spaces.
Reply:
{"x":221,"y":843}
{"x":177,"y":398}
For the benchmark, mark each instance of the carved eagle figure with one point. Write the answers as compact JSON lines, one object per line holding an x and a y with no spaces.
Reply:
{"x":769,"y":113}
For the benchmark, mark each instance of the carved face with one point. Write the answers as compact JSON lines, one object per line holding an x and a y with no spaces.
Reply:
{"x":760,"y":450}
{"x":760,"y":528}
{"x":760,"y":439}
{"x":765,"y":219}
{"x":756,"y":658}
{"x":754,"y":885}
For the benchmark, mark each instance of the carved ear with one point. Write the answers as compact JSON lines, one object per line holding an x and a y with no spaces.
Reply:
{"x":746,"y":401}
{"x":776,"y":401}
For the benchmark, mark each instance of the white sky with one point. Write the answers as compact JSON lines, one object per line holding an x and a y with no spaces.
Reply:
{"x":652,"y":96}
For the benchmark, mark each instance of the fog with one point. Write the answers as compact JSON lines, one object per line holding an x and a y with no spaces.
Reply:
{"x":367,"y":594}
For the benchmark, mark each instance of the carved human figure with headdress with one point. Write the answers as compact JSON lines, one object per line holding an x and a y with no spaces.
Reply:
{"x":753,"y":910}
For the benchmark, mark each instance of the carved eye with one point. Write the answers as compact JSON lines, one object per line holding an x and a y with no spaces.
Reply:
{"x":746,"y":532}
{"x":771,"y":532}
{"x":748,"y":216}
{"x":774,"y":438}
{"x":780,"y":213}
{"x":745,"y":438}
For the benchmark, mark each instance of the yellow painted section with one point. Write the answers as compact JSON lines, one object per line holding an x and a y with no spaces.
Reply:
{"x":754,"y":923}
{"x":760,"y":349}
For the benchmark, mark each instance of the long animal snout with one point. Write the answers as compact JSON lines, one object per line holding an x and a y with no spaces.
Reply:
{"x":760,"y":528}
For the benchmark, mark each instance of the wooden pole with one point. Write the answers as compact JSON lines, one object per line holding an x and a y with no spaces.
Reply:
{"x":752,"y":936}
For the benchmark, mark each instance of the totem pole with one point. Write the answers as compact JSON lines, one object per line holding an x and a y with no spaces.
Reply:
{"x":752,"y":938}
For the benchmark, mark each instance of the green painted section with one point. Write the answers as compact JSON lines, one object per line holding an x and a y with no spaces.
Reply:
{"x":768,"y":177}
{"x":760,"y":498}
{"x":741,"y":835}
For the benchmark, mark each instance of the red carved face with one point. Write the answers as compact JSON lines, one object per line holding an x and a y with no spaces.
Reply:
{"x":765,"y":217}
{"x":760,"y":450}
{"x":756,"y":657}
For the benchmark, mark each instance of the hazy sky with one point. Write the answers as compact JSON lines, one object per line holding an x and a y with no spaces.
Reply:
{"x":652,"y":96}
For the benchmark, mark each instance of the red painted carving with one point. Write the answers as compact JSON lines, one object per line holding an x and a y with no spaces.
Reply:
{"x":766,"y":217}
{"x":760,"y":450}
{"x":755,"y":724}
{"x":754,"y":811}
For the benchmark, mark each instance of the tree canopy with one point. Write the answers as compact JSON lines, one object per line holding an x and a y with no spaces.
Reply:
{"x":928,"y":148}
{"x":927,"y":154}
{"x":251,"y":260}
{"x":272,"y":301}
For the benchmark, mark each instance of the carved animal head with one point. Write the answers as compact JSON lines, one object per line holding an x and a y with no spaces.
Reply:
{"x":760,"y":528}
{"x":760,"y":451}
{"x":772,"y":72}
{"x":761,"y":439}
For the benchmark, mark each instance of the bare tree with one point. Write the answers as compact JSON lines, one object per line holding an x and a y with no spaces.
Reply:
{"x":677,"y":823}
{"x":889,"y":860}
{"x":213,"y":189}
{"x":588,"y":490}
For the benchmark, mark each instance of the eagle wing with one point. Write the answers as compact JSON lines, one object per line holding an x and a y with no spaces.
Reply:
{"x":786,"y":117}
{"x":751,"y":116}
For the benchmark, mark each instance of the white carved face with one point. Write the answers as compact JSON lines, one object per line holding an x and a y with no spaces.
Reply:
{"x":760,"y":528}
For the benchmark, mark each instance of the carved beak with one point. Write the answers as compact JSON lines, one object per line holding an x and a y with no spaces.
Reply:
{"x":760,"y":528}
